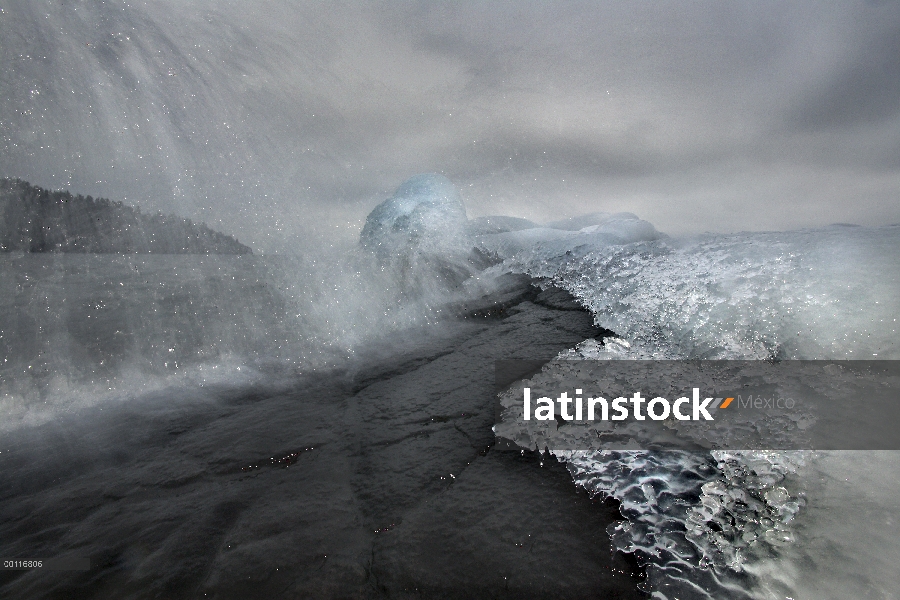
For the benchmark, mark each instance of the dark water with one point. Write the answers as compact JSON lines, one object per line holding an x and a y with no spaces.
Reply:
{"x":378,"y":480}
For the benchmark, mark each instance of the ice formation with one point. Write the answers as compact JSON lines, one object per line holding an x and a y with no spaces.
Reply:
{"x":706,"y":523}
{"x":811,"y":294}
{"x":425,"y":215}
{"x":581,"y":221}
{"x":695,"y":518}
{"x":419,"y":240}
{"x":539,"y":242}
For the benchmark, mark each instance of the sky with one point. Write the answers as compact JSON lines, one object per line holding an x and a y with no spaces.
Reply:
{"x":284,"y":123}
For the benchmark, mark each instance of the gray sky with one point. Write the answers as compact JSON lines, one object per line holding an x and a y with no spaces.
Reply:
{"x":285,"y":122}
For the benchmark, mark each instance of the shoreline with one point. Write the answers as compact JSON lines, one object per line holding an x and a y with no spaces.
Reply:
{"x":377,"y":481}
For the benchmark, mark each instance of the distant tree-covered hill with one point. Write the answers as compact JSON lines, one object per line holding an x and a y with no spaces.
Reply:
{"x":33,"y":219}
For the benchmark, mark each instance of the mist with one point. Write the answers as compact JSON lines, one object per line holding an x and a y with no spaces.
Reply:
{"x":284,"y":124}
{"x":259,"y":262}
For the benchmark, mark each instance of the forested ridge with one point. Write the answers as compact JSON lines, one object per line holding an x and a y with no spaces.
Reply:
{"x":33,"y":219}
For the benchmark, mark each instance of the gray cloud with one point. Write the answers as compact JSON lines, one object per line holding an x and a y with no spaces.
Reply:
{"x":285,"y":123}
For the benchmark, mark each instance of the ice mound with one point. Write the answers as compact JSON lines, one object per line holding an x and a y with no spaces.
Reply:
{"x":610,"y":230}
{"x":582,"y":221}
{"x":499,"y":224}
{"x":418,"y":242}
{"x":426,"y":214}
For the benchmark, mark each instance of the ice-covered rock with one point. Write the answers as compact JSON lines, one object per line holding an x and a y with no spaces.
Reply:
{"x":582,"y":221}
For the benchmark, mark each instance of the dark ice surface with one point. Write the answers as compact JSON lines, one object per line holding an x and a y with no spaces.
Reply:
{"x":379,"y":480}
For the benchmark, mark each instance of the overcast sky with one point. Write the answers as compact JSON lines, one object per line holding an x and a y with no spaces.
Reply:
{"x":285,"y":122}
